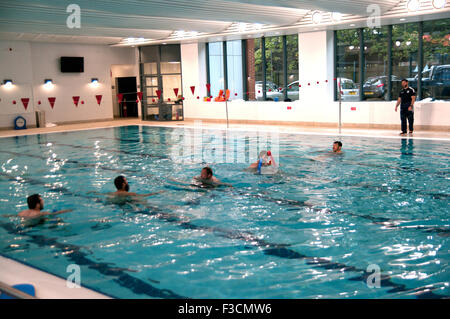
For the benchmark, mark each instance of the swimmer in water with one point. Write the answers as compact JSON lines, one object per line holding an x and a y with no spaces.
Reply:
{"x":266,"y":159}
{"x":337,"y":147}
{"x":207,"y":177}
{"x":34,"y":213}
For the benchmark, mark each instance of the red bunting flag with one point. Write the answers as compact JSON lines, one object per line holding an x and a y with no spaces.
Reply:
{"x":158,"y":92}
{"x":76,"y":99}
{"x":192,"y":89}
{"x":25,"y":102}
{"x":99,"y":99}
{"x":119,"y":97}
{"x":176,"y":92}
{"x":139,"y":94}
{"x":52,"y":101}
{"x":208,"y":86}
{"x":14,"y":102}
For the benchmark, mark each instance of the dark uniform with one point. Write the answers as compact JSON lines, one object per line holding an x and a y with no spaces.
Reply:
{"x":405,"y":115}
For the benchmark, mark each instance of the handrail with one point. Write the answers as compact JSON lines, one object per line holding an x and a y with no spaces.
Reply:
{"x":10,"y":291}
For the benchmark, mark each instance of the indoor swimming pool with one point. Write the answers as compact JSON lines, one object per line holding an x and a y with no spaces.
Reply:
{"x":316,"y":229}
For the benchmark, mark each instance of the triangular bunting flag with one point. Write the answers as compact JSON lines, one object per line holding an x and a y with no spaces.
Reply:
{"x":76,"y":99}
{"x":119,"y":97}
{"x":139,"y":94}
{"x":158,"y":92}
{"x":25,"y":102}
{"x":99,"y":99}
{"x":176,"y":92}
{"x":52,"y":101}
{"x":192,"y":89}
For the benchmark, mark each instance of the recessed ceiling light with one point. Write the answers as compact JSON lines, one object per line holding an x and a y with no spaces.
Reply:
{"x":439,"y":4}
{"x":413,"y":5}
{"x":402,"y":19}
{"x":352,"y":25}
{"x":336,"y":16}
{"x":316,"y":17}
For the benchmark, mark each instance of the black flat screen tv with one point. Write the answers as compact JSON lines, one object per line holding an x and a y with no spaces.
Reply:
{"x":72,"y":64}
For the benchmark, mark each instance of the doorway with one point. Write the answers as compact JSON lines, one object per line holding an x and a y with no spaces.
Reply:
{"x":127,"y":86}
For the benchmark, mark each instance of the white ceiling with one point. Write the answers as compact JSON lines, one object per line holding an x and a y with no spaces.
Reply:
{"x":110,"y":21}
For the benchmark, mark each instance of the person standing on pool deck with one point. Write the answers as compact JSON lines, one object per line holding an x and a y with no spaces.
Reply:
{"x":36,"y":205}
{"x":406,"y":99}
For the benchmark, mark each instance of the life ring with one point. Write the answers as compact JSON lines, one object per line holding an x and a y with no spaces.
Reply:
{"x":20,"y":123}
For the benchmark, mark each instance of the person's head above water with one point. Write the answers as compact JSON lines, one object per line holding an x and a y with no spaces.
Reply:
{"x":121,"y":183}
{"x":35,"y":202}
{"x":337,"y":146}
{"x":206,"y":173}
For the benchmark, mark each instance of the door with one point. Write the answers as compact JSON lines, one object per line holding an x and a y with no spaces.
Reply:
{"x":127,"y":87}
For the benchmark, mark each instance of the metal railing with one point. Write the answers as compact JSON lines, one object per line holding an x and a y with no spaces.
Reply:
{"x":10,"y":291}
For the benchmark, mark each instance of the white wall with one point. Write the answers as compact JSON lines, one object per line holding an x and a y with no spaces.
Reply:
{"x":316,"y":104}
{"x":29,"y":63}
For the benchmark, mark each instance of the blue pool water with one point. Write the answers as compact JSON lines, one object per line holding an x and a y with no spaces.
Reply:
{"x":310,"y":231}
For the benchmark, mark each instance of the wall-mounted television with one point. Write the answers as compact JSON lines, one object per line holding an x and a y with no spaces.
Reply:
{"x":72,"y":64}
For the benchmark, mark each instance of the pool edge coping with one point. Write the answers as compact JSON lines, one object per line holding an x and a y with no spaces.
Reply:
{"x":39,"y":278}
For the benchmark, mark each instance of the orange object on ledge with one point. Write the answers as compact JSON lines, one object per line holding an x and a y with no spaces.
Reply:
{"x":222,"y":97}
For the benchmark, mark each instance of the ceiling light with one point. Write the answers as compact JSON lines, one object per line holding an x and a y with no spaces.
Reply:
{"x":242,"y":27}
{"x":439,"y":4}
{"x":130,"y":40}
{"x":317,"y":17}
{"x":336,"y":16}
{"x":257,"y":26}
{"x":7,"y":83}
{"x":352,"y":25}
{"x":413,"y":5}
{"x":402,"y":19}
{"x":48,"y":83}
{"x":180,"y":33}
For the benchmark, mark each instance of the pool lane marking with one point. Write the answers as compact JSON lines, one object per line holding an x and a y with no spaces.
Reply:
{"x":280,"y":202}
{"x":272,"y":249}
{"x":74,"y":254}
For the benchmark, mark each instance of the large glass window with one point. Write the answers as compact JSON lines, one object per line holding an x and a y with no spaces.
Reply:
{"x":292,"y":67}
{"x":274,"y":69}
{"x":258,"y":70}
{"x":216,"y":70}
{"x":261,"y":64}
{"x":347,"y":64}
{"x":376,"y":63}
{"x":234,"y":69}
{"x":436,"y":48}
{"x":405,"y":48}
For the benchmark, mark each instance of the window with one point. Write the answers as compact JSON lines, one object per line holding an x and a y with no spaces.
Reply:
{"x":274,"y":69}
{"x":234,"y":69}
{"x":429,"y":39}
{"x":347,"y":64}
{"x":405,"y":45}
{"x":263,"y":64}
{"x":258,"y":70}
{"x":376,"y":63}
{"x":436,"y":48}
{"x":292,"y":67}
{"x":216,"y":71}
